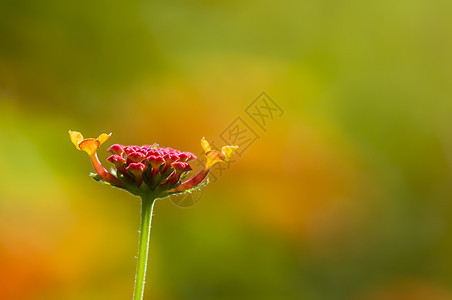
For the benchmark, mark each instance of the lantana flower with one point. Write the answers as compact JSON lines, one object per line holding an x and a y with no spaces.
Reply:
{"x":150,"y":172}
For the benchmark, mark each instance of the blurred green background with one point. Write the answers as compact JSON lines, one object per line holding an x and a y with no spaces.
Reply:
{"x":347,"y":195}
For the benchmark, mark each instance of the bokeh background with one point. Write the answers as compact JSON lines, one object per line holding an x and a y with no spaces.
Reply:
{"x":347,"y":195}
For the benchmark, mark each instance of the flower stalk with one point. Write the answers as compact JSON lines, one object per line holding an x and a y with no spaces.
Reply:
{"x":147,"y":207}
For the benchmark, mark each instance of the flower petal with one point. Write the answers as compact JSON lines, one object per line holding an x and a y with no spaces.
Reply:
{"x":103,"y":138}
{"x":228,"y":151}
{"x":76,"y":138}
{"x":205,"y":145}
{"x":90,"y":146}
{"x":214,"y":157}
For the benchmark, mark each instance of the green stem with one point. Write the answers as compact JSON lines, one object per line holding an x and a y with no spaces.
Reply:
{"x":147,"y":205}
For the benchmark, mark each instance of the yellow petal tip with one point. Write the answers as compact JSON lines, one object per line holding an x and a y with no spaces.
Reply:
{"x":103,"y":138}
{"x":76,"y":138}
{"x":228,"y":151}
{"x":205,"y":145}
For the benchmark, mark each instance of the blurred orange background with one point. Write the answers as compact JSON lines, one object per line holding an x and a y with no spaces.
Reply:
{"x":346,"y":194}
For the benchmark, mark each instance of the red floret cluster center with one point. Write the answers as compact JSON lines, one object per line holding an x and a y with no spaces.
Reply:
{"x":150,"y":164}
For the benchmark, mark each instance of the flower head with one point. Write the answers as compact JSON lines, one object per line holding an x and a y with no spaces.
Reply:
{"x":149,"y":168}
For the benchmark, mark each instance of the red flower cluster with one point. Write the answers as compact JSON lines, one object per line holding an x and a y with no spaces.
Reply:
{"x":153,"y":165}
